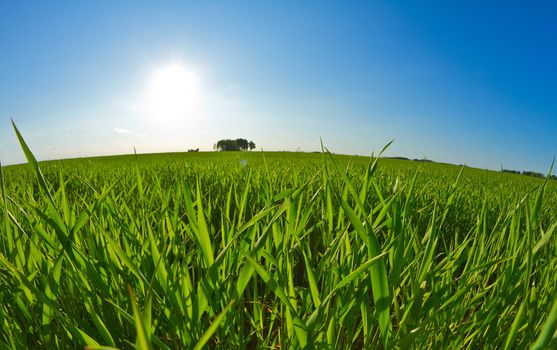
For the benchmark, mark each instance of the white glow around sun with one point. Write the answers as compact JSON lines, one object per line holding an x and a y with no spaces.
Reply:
{"x":174,"y":93}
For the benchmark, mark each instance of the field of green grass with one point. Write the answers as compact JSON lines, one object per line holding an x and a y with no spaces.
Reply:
{"x":274,"y":250}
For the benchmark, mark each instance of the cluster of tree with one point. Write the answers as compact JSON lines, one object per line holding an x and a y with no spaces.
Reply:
{"x":529,"y":173}
{"x":234,"y":145}
{"x":193,"y":150}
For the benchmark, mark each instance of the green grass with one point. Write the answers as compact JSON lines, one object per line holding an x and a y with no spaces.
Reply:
{"x":274,"y":250}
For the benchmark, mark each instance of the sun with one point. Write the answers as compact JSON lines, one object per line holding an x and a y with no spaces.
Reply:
{"x":174,"y":93}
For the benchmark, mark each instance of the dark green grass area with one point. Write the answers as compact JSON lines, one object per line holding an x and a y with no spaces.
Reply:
{"x":275,"y":250}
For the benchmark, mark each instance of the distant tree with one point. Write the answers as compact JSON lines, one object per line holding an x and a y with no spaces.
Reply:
{"x":227,"y":145}
{"x":242,"y":144}
{"x":532,"y":173}
{"x":234,"y":145}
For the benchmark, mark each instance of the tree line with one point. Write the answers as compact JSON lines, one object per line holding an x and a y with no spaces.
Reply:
{"x":528,"y":173}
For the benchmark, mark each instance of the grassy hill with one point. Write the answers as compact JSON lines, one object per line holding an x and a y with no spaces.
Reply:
{"x":274,"y":250}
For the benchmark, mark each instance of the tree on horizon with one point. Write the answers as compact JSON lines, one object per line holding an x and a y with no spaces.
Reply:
{"x":239,"y":144}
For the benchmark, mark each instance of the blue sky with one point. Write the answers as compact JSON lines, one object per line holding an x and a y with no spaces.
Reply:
{"x":467,"y":82}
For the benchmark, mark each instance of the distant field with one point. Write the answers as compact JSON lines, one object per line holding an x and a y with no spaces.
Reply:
{"x":275,"y":250}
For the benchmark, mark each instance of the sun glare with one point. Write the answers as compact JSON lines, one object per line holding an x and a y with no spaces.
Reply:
{"x":174,"y":93}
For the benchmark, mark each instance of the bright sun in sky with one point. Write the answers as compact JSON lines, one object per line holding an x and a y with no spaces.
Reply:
{"x":173,"y":93}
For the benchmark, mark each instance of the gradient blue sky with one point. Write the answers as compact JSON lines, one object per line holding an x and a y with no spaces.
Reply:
{"x":467,"y":82}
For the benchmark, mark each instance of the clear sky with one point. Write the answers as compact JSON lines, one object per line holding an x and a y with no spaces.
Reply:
{"x":462,"y":82}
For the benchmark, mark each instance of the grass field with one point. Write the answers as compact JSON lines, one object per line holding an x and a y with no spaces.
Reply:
{"x":274,"y":250}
